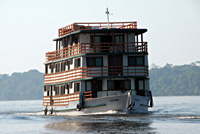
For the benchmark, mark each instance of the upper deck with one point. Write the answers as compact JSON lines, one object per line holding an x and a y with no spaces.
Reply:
{"x":97,"y":38}
{"x":97,"y":48}
{"x":95,"y":25}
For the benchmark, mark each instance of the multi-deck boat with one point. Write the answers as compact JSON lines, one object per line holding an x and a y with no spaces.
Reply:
{"x":97,"y":68}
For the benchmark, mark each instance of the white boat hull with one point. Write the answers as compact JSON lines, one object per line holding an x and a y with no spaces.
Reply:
{"x":118,"y":103}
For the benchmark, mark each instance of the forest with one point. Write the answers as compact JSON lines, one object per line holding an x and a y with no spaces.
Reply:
{"x":21,"y":86}
{"x":175,"y":80}
{"x":168,"y":80}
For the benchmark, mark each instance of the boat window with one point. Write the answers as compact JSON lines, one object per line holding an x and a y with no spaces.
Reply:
{"x":65,"y":42}
{"x":131,"y":61}
{"x":97,"y":39}
{"x":119,"y":85}
{"x":52,"y":67}
{"x":70,"y":85}
{"x":136,"y":61}
{"x":71,"y":61}
{"x":76,"y":39}
{"x":57,"y":67}
{"x":45,"y":88}
{"x":77,"y":63}
{"x":88,"y":85}
{"x":61,"y":44}
{"x":47,"y":93}
{"x":46,"y":68}
{"x":119,"y":38}
{"x":93,"y":85}
{"x":94,"y":61}
{"x":90,"y":62}
{"x":98,"y":61}
{"x":141,"y":84}
{"x":127,"y":85}
{"x":111,"y":85}
{"x":68,"y":64}
{"x":140,"y":61}
{"x":119,"y":45}
{"x":67,"y":88}
{"x":63,"y":66}
{"x":97,"y":85}
{"x":63,"y":89}
{"x":56,"y":89}
{"x":76,"y":87}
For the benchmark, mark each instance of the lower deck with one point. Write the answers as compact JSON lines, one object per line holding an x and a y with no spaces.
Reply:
{"x":124,"y":102}
{"x":61,"y":95}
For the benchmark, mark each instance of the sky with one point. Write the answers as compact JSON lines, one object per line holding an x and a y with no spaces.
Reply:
{"x":27,"y":28}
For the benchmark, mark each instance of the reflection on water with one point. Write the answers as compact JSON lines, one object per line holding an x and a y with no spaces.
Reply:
{"x":123,"y":123}
{"x":103,"y":124}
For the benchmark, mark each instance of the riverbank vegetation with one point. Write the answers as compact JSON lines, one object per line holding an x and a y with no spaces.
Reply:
{"x":175,"y":80}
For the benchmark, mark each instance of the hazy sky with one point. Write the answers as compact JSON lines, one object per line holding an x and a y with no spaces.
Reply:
{"x":27,"y":28}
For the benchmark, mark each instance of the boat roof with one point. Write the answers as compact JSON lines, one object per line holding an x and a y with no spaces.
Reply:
{"x":136,"y":31}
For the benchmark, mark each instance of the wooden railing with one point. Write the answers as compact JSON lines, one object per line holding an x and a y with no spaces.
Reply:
{"x":95,"y":25}
{"x":46,"y":100}
{"x":60,"y":100}
{"x":87,"y":95}
{"x":83,"y":48}
{"x":104,"y":71}
{"x":69,"y":75}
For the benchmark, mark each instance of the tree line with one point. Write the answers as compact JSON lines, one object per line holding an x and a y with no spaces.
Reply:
{"x":21,"y":86}
{"x":175,"y":80}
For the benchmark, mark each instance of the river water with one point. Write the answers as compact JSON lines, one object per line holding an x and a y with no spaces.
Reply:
{"x":169,"y":115}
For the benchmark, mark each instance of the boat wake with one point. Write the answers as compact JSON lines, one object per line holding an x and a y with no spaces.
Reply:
{"x":80,"y":113}
{"x":31,"y":113}
{"x":189,"y":117}
{"x":73,"y":113}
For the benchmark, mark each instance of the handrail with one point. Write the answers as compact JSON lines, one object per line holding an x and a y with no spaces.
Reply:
{"x":95,"y":25}
{"x":60,"y":100}
{"x":83,"y":48}
{"x":103,"y":71}
{"x":87,"y":95}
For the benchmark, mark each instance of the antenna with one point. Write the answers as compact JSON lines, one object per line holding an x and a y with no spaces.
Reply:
{"x":107,"y":12}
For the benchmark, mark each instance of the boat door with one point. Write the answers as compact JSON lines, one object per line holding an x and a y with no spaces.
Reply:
{"x":140,"y":87}
{"x":102,"y":43}
{"x":115,"y":65}
{"x":106,"y":43}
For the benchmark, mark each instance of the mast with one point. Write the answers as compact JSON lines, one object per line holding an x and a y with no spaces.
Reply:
{"x":107,"y":12}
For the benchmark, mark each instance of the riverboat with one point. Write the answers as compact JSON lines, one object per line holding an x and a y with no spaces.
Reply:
{"x":98,"y":67}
